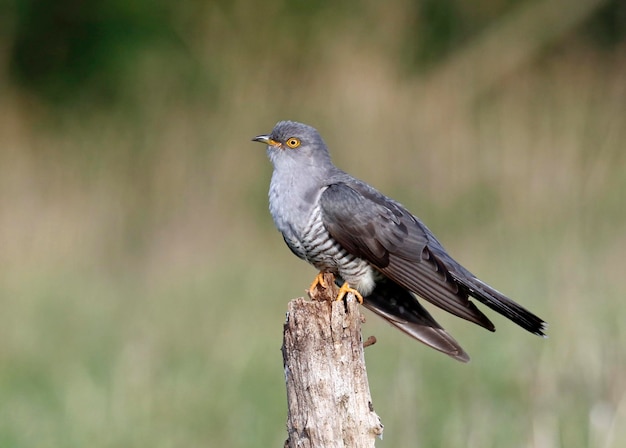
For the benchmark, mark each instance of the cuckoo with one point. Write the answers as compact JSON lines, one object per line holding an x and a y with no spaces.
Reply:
{"x":374,"y":246}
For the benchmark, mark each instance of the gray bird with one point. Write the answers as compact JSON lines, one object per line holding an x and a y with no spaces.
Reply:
{"x":381,"y":252}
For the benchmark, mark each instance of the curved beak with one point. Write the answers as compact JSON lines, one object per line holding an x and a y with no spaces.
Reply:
{"x":265,"y":139}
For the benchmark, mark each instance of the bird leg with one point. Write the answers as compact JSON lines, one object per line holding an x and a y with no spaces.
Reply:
{"x":345,"y":289}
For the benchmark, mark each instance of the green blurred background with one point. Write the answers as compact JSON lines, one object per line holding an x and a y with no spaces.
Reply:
{"x":143,"y":286}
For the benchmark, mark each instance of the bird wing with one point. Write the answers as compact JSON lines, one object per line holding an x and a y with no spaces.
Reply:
{"x":373,"y":227}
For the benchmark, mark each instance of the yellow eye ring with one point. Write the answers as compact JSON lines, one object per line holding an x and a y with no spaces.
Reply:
{"x":293,"y":142}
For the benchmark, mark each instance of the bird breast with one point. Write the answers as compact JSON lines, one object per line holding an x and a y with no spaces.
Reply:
{"x":326,"y":254}
{"x":298,"y":217}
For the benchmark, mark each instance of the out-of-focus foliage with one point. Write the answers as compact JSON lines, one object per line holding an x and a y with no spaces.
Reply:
{"x":65,"y":49}
{"x":61,"y":48}
{"x":143,"y":287}
{"x":608,"y":26}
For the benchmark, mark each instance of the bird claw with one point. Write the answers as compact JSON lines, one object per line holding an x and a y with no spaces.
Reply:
{"x":318,"y":280}
{"x":345,"y":289}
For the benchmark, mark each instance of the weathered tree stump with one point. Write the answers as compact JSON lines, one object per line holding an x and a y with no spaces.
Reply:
{"x":328,"y":395}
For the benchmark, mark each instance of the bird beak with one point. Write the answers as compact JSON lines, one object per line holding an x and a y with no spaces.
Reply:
{"x":265,"y":139}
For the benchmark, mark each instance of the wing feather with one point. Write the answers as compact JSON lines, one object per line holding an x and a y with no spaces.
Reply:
{"x":401,"y":309}
{"x":379,"y":230}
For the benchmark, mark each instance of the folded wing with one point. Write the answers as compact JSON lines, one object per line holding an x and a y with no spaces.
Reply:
{"x":375,"y":228}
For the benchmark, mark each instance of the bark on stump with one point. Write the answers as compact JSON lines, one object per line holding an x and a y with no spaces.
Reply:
{"x":328,"y":394}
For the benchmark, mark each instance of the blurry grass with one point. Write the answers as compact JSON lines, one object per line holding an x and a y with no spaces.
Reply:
{"x":142,"y":286}
{"x":88,"y":362}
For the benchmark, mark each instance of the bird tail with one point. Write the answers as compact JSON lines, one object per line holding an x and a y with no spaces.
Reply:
{"x":401,"y":309}
{"x":498,"y":302}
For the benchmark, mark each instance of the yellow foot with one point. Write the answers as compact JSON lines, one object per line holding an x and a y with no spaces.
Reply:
{"x":345,"y":289}
{"x":319,"y":280}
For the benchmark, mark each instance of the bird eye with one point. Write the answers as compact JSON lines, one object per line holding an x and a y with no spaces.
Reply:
{"x":293,"y":142}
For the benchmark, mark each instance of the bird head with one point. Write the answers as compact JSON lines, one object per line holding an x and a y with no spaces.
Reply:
{"x":290,"y":141}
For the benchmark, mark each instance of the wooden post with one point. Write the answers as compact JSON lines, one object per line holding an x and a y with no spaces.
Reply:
{"x":328,"y":395}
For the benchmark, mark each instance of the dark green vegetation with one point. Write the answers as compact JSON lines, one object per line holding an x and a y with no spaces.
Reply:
{"x":143,"y":286}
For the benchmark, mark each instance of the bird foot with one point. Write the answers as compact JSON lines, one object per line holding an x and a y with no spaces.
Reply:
{"x":318,"y":280}
{"x":323,"y":288}
{"x":345,"y":289}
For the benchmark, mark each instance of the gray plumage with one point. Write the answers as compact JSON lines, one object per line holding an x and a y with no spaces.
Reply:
{"x":342,"y":225}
